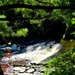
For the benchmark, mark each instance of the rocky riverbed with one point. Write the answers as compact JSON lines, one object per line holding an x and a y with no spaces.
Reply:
{"x":33,"y":69}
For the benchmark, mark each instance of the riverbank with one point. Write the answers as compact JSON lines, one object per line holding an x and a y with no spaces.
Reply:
{"x":66,"y":46}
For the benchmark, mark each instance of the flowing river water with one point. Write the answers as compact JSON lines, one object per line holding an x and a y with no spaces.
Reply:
{"x":28,"y":53}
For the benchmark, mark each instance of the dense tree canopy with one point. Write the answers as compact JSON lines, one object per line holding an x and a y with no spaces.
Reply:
{"x":47,"y":23}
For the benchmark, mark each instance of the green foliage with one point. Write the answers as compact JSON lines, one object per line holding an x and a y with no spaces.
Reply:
{"x":33,"y":2}
{"x":35,"y":21}
{"x":73,"y":20}
{"x":5,"y":30}
{"x":73,"y":33}
{"x":71,"y":40}
{"x":2,"y":16}
{"x":1,"y":3}
{"x":41,"y":13}
{"x":61,"y":65}
{"x":37,"y":16}
{"x":3,"y":26}
{"x":13,"y":34}
{"x":60,"y":2}
{"x":26,"y":13}
{"x":73,"y":13}
{"x":22,"y":32}
{"x":56,"y":14}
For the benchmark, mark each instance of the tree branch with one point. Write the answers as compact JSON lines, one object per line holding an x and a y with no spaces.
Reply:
{"x":5,"y":7}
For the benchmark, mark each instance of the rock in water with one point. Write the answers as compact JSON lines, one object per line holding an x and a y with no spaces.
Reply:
{"x":30,"y":70}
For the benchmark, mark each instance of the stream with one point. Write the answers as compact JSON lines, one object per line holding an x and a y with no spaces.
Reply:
{"x":25,"y":54}
{"x":35,"y":51}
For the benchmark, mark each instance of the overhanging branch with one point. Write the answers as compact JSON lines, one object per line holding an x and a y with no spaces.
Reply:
{"x":6,"y":19}
{"x":5,"y":7}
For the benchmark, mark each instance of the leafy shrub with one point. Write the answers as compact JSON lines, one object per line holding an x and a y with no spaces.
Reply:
{"x":62,"y":64}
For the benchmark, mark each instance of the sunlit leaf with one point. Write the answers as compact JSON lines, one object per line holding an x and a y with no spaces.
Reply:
{"x":2,"y":16}
{"x":22,"y":32}
{"x":73,"y":33}
{"x":73,"y":20}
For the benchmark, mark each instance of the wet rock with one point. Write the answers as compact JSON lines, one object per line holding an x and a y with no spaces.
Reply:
{"x":38,"y":73}
{"x":31,"y":70}
{"x":20,"y":69}
{"x":24,"y":74}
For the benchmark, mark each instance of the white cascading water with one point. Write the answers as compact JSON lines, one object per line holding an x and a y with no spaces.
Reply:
{"x":36,"y":52}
